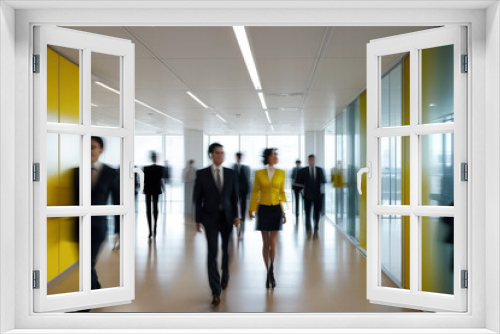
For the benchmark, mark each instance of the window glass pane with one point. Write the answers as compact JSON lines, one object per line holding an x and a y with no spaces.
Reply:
{"x":105,"y":90}
{"x":63,"y":165}
{"x":395,"y":170}
{"x":395,"y":247}
{"x":63,"y":255}
{"x":63,"y":85}
{"x":231,"y":146}
{"x":105,"y":252}
{"x":437,"y":169}
{"x":144,"y":145}
{"x":437,"y":85}
{"x":174,"y":161}
{"x":288,"y":150}
{"x":105,"y":170}
{"x":437,"y":254}
{"x":252,"y":147}
{"x":393,"y":112}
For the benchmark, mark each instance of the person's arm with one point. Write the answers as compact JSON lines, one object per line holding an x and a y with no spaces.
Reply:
{"x":255,"y":199}
{"x":235,"y":201}
{"x":198,"y":200}
{"x":115,"y":193}
{"x":282,"y":196}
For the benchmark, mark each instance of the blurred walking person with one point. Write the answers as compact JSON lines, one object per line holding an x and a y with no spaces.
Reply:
{"x":216,"y":202}
{"x":105,"y":190}
{"x":268,"y":194}
{"x":153,"y":184}
{"x":312,"y":178}
{"x":296,"y":188}
{"x":188,"y":177}
{"x":243,"y":177}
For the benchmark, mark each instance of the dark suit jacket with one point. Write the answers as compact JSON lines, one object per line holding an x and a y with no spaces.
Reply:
{"x":243,"y":178}
{"x":207,"y":197}
{"x":106,"y":189}
{"x":153,"y":176}
{"x":295,"y":171}
{"x":312,"y":188}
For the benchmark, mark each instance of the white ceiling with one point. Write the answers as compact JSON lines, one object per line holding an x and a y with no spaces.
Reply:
{"x":308,"y":74}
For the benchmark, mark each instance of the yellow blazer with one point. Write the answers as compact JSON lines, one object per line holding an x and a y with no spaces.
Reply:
{"x":267,"y":192}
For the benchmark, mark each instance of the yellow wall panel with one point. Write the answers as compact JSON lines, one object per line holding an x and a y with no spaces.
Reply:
{"x":52,"y":248}
{"x":68,"y":245}
{"x":69,"y":92}
{"x":63,"y":104}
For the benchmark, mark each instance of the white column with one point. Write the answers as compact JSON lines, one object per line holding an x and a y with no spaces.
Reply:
{"x":7,"y":169}
{"x":193,"y":149}
{"x":315,"y":144}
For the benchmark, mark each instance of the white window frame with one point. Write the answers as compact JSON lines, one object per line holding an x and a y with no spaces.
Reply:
{"x":414,"y":43}
{"x":483,"y":102}
{"x":86,"y":43}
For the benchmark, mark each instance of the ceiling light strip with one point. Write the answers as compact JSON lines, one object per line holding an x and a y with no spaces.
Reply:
{"x":272,"y":127}
{"x":244,"y":44}
{"x":268,"y":118}
{"x":221,"y":118}
{"x":262,"y":100}
{"x":197,"y":99}
{"x":139,"y":102}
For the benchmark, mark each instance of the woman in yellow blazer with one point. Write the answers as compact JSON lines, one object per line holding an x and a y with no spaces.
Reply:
{"x":267,"y":195}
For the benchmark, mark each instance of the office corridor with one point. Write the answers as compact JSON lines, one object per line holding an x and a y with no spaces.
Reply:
{"x":327,"y":274}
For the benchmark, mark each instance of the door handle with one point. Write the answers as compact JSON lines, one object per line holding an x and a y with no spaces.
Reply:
{"x":368,"y":171}
{"x":139,"y":171}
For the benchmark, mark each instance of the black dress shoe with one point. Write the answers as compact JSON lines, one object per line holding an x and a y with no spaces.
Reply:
{"x":215,"y":301}
{"x":224,"y":281}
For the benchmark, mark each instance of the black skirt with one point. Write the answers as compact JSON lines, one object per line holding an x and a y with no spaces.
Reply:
{"x":269,"y":218}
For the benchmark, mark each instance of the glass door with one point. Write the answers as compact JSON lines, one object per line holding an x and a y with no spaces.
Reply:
{"x":83,"y":154}
{"x":416,"y":145}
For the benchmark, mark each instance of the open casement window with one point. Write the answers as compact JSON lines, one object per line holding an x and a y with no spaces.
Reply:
{"x":416,"y":150}
{"x":79,"y":206}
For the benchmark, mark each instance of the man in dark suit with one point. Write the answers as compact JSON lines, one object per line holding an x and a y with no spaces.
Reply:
{"x":216,"y":200}
{"x":105,"y":189}
{"x":312,"y":178}
{"x":153,"y":184}
{"x":243,"y":177}
{"x":296,"y":188}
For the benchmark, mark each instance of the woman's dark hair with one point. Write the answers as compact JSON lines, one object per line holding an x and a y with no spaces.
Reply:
{"x":98,"y":140}
{"x":212,"y":148}
{"x":266,"y":154}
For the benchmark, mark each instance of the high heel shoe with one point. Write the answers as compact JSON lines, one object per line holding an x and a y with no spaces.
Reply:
{"x":272,"y":281}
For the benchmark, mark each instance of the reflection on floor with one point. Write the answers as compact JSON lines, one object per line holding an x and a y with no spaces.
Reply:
{"x":327,"y":274}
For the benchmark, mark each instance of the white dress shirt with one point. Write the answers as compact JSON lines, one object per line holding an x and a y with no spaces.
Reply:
{"x":270,"y":172}
{"x":221,"y":173}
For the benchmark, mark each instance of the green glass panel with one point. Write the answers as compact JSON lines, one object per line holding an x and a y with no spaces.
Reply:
{"x":437,"y":254}
{"x":395,"y":170}
{"x":437,"y":85}
{"x":437,"y":169}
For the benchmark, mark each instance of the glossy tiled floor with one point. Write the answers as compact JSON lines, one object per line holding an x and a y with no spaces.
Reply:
{"x":327,"y":274}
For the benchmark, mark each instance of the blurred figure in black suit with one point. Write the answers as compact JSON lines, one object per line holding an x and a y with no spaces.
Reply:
{"x":153,"y":184}
{"x":312,"y":178}
{"x":296,"y":188}
{"x":243,"y":177}
{"x":216,"y":201}
{"x":105,"y":185}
